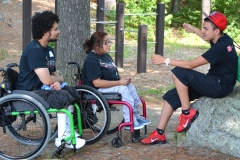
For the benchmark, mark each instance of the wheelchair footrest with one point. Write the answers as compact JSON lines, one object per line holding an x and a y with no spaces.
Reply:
{"x":136,"y":135}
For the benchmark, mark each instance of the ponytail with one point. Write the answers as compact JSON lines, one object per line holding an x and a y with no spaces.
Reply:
{"x":87,"y":46}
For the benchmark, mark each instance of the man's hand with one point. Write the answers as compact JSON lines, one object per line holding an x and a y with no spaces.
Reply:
{"x":157,"y":59}
{"x":188,"y":27}
{"x":56,"y":86}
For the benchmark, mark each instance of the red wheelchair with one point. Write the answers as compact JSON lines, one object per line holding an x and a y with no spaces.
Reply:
{"x":117,"y":122}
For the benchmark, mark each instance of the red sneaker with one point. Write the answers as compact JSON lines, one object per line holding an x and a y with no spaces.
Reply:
{"x":185,"y":121}
{"x":154,"y":138}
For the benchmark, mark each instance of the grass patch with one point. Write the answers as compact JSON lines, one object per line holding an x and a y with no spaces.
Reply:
{"x":155,"y":92}
{"x":3,"y":54}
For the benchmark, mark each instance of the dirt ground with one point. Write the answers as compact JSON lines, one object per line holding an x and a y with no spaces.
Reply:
{"x":155,"y":77}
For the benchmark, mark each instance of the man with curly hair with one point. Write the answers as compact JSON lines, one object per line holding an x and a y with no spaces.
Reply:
{"x":37,"y":70}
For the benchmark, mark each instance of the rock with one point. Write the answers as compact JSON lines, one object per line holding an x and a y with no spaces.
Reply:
{"x":218,"y":123}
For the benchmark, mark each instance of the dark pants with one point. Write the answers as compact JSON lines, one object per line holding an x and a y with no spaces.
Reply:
{"x":198,"y":84}
{"x":59,"y":99}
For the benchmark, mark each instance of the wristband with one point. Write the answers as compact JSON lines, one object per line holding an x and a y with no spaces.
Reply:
{"x":167,"y":61}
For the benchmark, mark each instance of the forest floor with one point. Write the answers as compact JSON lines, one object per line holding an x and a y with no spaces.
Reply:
{"x":158,"y":77}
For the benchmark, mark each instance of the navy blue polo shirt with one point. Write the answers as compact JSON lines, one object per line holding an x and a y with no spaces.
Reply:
{"x":34,"y":56}
{"x":99,"y":66}
{"x":223,"y":60}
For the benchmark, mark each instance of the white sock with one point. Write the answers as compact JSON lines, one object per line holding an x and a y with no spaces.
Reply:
{"x":61,"y":123}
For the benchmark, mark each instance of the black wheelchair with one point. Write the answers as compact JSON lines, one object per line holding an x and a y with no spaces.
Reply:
{"x":28,"y":123}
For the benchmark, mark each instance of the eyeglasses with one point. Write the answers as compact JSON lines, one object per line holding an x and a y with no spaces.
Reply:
{"x":107,"y":43}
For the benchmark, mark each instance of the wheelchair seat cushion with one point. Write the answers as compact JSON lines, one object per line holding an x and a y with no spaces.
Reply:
{"x":112,"y":96}
{"x":23,"y":106}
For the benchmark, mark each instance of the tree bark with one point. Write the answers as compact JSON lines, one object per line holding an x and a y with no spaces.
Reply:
{"x":205,"y":8}
{"x":74,"y":28}
{"x":175,"y":6}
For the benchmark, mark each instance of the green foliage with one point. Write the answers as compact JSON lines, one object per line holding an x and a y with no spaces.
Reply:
{"x":141,"y":7}
{"x":120,"y":1}
{"x":189,"y":13}
{"x":110,"y":28}
{"x":3,"y":54}
{"x":52,"y":44}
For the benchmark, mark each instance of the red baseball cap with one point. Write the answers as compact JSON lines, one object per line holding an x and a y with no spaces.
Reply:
{"x":218,"y":19}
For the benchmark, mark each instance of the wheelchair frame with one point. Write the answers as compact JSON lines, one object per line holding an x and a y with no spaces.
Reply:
{"x":9,"y":95}
{"x":112,"y":99}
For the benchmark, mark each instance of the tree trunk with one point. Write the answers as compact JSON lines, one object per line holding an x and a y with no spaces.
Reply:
{"x":74,"y":28}
{"x":205,"y":8}
{"x":175,"y":6}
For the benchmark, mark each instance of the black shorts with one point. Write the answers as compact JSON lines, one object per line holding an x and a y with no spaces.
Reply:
{"x":59,"y":99}
{"x":198,"y":84}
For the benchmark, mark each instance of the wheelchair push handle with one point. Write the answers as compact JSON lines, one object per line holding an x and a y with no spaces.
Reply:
{"x":12,"y":65}
{"x":78,"y":66}
{"x":78,"y":76}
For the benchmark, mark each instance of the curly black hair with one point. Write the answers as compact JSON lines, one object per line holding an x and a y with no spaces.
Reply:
{"x":43,"y":22}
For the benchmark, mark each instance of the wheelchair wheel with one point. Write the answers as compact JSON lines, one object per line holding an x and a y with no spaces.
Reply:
{"x":38,"y":122}
{"x":13,"y":142}
{"x":52,"y":116}
{"x":95,"y":113}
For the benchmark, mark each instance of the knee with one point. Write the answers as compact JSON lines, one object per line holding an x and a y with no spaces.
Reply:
{"x":174,"y":77}
{"x":131,"y":87}
{"x":177,"y":70}
{"x":123,"y":90}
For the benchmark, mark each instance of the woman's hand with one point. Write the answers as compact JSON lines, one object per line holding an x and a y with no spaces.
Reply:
{"x":125,"y":81}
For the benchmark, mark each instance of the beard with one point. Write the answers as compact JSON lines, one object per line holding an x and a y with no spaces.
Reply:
{"x":52,"y":39}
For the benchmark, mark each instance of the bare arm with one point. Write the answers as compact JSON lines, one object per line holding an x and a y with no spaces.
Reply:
{"x":158,"y":59}
{"x":46,"y":78}
{"x":192,"y":29}
{"x":100,"y":83}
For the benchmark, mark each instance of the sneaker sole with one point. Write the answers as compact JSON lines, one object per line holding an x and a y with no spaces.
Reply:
{"x":190,"y":123}
{"x":146,"y":123}
{"x":135,"y":128}
{"x":161,"y":142}
{"x":70,"y":146}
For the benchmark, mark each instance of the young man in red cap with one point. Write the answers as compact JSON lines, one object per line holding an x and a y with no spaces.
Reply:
{"x":190,"y":84}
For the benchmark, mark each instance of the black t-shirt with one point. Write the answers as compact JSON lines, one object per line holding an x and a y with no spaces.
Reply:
{"x":34,"y":56}
{"x":223,"y":60}
{"x":96,"y":66}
